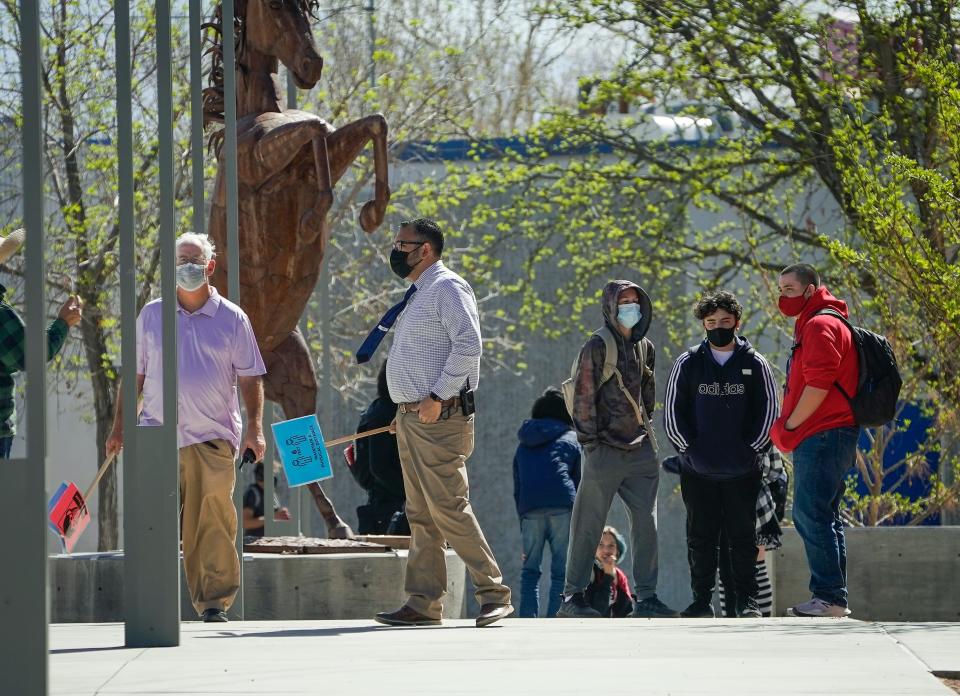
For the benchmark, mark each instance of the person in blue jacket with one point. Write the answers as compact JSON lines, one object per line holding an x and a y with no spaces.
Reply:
{"x":546,"y":473}
{"x":720,"y":404}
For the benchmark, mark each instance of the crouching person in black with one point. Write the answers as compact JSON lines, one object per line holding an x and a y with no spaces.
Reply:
{"x":720,"y":404}
{"x":375,"y":464}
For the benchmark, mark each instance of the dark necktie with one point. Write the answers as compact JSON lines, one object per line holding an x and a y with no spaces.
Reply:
{"x":369,"y":346}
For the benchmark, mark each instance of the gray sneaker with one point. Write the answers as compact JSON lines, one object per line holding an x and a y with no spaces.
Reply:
{"x":818,"y":608}
{"x":653,"y":608}
{"x":577,"y":608}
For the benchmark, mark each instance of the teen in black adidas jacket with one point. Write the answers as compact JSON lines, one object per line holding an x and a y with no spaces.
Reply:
{"x":720,"y":404}
{"x":719,"y":416}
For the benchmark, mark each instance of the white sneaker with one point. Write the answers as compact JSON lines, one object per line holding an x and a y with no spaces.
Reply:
{"x":816,"y":607}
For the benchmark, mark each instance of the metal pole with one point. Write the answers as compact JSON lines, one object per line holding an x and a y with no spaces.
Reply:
{"x":230,"y":151}
{"x":326,"y":321}
{"x":371,"y":10}
{"x":233,"y":231}
{"x":297,"y":495}
{"x":291,"y":91}
{"x":326,"y":388}
{"x":24,"y":609}
{"x":196,"y":113}
{"x":151,"y":481}
{"x":272,"y":527}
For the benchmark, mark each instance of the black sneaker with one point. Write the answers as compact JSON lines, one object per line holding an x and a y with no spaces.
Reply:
{"x":749,"y":610}
{"x":698,"y":610}
{"x":577,"y":608}
{"x":653,"y":608}
{"x":214,"y":616}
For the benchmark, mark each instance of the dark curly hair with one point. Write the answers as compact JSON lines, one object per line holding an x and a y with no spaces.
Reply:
{"x":713,"y":301}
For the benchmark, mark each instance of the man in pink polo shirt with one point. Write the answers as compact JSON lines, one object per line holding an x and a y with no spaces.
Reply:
{"x":217,"y":351}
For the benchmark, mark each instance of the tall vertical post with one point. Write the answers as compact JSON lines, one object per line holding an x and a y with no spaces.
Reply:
{"x":300,"y":499}
{"x":291,"y":90}
{"x":24,"y":608}
{"x":196,"y":112}
{"x":151,"y":480}
{"x":371,"y":9}
{"x":230,"y":150}
{"x":233,"y":230}
{"x":326,"y":331}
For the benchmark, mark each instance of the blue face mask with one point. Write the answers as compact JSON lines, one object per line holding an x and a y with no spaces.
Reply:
{"x":629,"y":315}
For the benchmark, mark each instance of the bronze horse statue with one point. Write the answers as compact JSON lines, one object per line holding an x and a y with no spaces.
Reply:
{"x":288,"y":162}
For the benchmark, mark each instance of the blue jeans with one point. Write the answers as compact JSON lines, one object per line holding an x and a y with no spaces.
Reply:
{"x":539,"y":527}
{"x":820,"y":465}
{"x":6,"y":444}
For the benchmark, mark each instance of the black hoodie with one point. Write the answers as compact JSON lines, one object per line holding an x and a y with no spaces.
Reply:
{"x":601,"y":412}
{"x":719,"y":416}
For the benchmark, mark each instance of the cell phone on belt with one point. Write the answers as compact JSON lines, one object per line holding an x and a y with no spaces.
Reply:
{"x":467,"y":405}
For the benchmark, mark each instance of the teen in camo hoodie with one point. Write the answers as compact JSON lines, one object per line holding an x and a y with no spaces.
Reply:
{"x":619,"y":457}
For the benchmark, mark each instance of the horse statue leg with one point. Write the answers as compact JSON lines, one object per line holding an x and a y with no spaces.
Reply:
{"x":291,"y":382}
{"x":343,"y":146}
{"x":313,"y":223}
{"x":276,"y":149}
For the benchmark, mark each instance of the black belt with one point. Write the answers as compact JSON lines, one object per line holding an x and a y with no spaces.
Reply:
{"x":447,"y":405}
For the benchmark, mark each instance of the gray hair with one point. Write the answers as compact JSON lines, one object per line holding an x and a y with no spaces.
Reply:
{"x":200,"y":240}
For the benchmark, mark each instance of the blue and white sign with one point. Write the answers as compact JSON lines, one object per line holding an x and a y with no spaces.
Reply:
{"x":302,"y":450}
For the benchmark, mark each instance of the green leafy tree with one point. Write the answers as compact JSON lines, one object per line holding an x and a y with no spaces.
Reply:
{"x":439,"y":67}
{"x":830,"y":133}
{"x":79,"y":94}
{"x":437,"y":70}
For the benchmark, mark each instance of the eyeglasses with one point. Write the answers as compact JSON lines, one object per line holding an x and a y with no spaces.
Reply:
{"x":398,"y":245}
{"x":199,"y":260}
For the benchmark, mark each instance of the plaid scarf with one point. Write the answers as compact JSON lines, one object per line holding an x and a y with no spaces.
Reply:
{"x":772,"y":498}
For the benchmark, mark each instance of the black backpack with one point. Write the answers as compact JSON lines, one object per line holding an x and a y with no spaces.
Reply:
{"x":878,"y":389}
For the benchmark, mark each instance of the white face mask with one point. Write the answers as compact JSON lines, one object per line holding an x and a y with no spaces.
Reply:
{"x":629,"y":315}
{"x":191,"y":276}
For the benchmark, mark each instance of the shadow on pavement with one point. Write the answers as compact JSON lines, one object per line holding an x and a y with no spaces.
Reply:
{"x":320,"y":632}
{"x":68,"y":651}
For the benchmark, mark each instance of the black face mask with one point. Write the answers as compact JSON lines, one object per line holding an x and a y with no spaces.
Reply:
{"x":399,"y":264}
{"x":721,"y":337}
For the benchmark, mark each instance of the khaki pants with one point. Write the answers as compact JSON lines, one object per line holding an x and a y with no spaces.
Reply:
{"x":434,"y":461}
{"x":208,"y":524}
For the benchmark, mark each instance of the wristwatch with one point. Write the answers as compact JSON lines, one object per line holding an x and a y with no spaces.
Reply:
{"x":436,"y":398}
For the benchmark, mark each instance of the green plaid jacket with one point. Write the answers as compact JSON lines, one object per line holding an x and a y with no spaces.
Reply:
{"x":12,"y":350}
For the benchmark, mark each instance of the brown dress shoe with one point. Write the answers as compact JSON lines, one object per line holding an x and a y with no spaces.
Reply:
{"x":405,"y":616}
{"x":490,"y":613}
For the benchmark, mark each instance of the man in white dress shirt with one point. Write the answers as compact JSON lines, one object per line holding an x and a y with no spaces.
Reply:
{"x":433,"y":365}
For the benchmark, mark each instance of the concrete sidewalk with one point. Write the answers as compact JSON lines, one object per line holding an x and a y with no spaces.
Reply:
{"x":528,"y":657}
{"x":936,"y":644}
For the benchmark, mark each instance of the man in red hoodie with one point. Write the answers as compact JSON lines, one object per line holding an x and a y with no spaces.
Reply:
{"x":817,"y":425}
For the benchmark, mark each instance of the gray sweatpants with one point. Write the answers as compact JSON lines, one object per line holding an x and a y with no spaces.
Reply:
{"x":634,"y":475}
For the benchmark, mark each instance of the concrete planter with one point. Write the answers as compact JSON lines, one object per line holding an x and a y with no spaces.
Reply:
{"x":89,"y":587}
{"x":893,"y":573}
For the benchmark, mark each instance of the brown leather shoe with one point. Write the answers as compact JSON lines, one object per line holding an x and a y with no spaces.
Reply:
{"x":405,"y":616}
{"x":489,"y":613}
